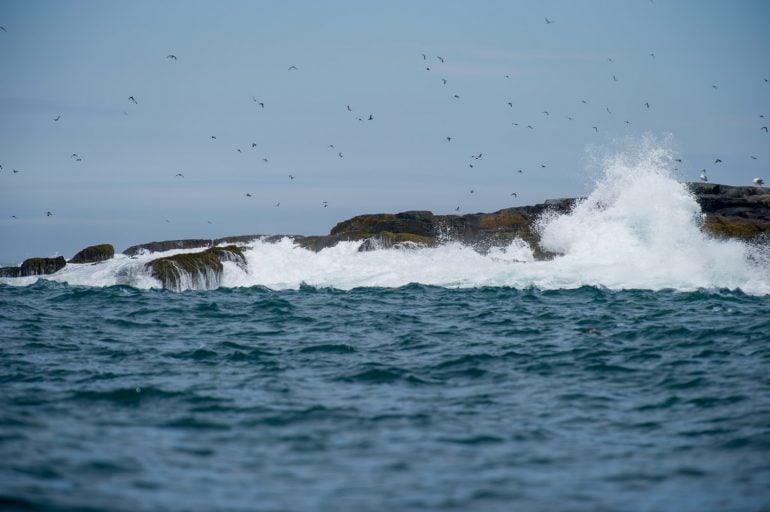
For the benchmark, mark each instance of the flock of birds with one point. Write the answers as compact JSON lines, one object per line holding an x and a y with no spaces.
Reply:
{"x":369,"y":117}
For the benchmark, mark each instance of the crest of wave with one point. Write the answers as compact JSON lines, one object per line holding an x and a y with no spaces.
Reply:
{"x":640,"y":228}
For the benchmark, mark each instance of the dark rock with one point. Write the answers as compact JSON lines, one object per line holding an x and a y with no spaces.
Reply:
{"x":168,"y":245}
{"x":41,"y":266}
{"x":94,"y":254}
{"x":194,"y":271}
{"x":10,"y":271}
{"x":388,"y":240}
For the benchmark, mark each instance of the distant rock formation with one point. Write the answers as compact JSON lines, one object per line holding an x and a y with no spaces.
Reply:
{"x":94,"y":254}
{"x":729,"y":212}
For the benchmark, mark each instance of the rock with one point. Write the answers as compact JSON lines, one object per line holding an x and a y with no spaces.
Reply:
{"x":10,"y":271}
{"x":94,"y":254}
{"x":168,"y":245}
{"x":734,"y":212}
{"x":41,"y":266}
{"x":388,"y":240}
{"x":194,"y":271}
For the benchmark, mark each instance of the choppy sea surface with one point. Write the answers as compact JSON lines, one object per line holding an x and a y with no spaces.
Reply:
{"x":630,"y":373}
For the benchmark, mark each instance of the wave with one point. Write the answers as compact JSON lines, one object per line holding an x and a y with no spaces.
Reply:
{"x":638,"y":229}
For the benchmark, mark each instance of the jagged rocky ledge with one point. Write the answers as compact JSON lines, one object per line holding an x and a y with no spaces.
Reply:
{"x":730,"y":212}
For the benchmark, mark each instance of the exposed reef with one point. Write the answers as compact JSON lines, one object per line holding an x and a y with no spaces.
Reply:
{"x":94,"y":254}
{"x":194,"y":271}
{"x":729,"y":212}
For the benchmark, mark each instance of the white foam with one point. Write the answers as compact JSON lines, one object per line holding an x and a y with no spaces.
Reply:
{"x":638,"y":229}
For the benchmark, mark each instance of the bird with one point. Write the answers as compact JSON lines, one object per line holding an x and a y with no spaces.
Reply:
{"x":248,"y":195}
{"x":3,"y":29}
{"x":350,"y":109}
{"x":472,"y":191}
{"x":261,"y":104}
{"x":647,"y":104}
{"x":291,"y":177}
{"x":764,"y":129}
{"x":652,"y":55}
{"x":74,"y":156}
{"x":49,"y":214}
{"x":614,"y":78}
{"x":330,"y":146}
{"x":510,"y":104}
{"x":608,"y":110}
{"x":703,"y":176}
{"x":14,"y":217}
{"x":520,"y":171}
{"x":293,"y":68}
{"x":718,"y":161}
{"x":457,"y":96}
{"x":449,"y":139}
{"x":439,"y":58}
{"x":325,"y":203}
{"x":548,"y":22}
{"x":546,"y":112}
{"x":514,"y":194}
{"x":15,"y":171}
{"x":583,"y":101}
{"x":758,"y":182}
{"x":542,"y":165}
{"x":171,"y":57}
{"x":457,"y":209}
{"x":753,"y":157}
{"x":443,"y":80}
{"x":339,"y":154}
{"x":530,"y":127}
{"x":595,"y":129}
{"x":253,"y":145}
{"x":57,"y":117}
{"x":477,"y":157}
{"x":179,"y":175}
{"x":714,"y":87}
{"x":277,"y":204}
{"x":213,"y":137}
{"x":371,"y":117}
{"x":239,"y":150}
{"x":264,"y":160}
{"x":131,"y":98}
{"x":507,"y":76}
{"x":424,"y":57}
{"x":627,"y":122}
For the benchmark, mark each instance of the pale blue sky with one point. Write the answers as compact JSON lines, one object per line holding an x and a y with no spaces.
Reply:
{"x":82,"y":60}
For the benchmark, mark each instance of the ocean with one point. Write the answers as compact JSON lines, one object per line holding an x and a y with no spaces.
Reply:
{"x":630,"y":373}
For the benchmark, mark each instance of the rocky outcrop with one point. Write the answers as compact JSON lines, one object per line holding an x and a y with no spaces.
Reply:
{"x":194,"y":271}
{"x":10,"y":272}
{"x":41,"y":266}
{"x":734,"y":212}
{"x":168,"y":245}
{"x":94,"y":254}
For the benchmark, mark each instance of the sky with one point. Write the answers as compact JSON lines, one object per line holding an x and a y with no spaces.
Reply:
{"x":282,"y":74}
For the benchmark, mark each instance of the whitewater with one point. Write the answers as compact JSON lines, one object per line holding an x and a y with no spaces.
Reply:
{"x":638,"y":229}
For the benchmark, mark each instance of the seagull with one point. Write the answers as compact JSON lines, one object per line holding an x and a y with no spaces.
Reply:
{"x":48,"y":214}
{"x":277,"y":204}
{"x":179,"y":175}
{"x":542,"y":165}
{"x":3,"y":29}
{"x":131,"y":98}
{"x":703,"y":176}
{"x":15,"y":171}
{"x":213,"y":137}
{"x":264,"y":160}
{"x":444,"y":81}
{"x":330,"y":146}
{"x":647,"y":104}
{"x":758,"y":182}
{"x":74,"y":156}
{"x":714,"y":87}
{"x":520,"y":171}
{"x":583,"y":101}
{"x":457,"y":96}
{"x":371,"y":117}
{"x":457,"y":209}
{"x":718,"y":161}
{"x":608,"y":110}
{"x":350,"y":109}
{"x":545,"y":112}
{"x":171,"y":57}
{"x":510,"y":104}
{"x":293,"y":68}
{"x":595,"y":129}
{"x":261,"y":104}
{"x":514,"y":194}
{"x":439,"y":58}
{"x":764,"y":129}
{"x":325,"y":203}
{"x":652,"y":55}
{"x":507,"y":76}
{"x":530,"y":127}
{"x":449,"y":139}
{"x":239,"y":150}
{"x":424,"y":57}
{"x":471,"y":191}
{"x":614,"y":78}
{"x":291,"y":177}
{"x":248,"y":195}
{"x":477,"y":157}
{"x":57,"y":117}
{"x":548,"y":22}
{"x":253,"y":145}
{"x":339,"y":154}
{"x":753,"y":157}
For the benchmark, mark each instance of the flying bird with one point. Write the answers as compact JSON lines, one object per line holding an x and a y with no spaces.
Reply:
{"x":608,"y":110}
{"x":3,"y":29}
{"x":758,"y":182}
{"x":471,"y":191}
{"x":718,"y":161}
{"x":350,"y":109}
{"x":179,"y":175}
{"x":595,"y":129}
{"x":424,"y":57}
{"x":546,"y":112}
{"x":293,"y":68}
{"x":325,"y":203}
{"x":171,"y":57}
{"x":264,"y":160}
{"x":339,"y":154}
{"x":514,"y":194}
{"x":277,"y":204}
{"x":131,"y":98}
{"x":439,"y":58}
{"x":477,"y":157}
{"x":291,"y":177}
{"x":444,"y":81}
{"x":614,"y":78}
{"x":530,"y":127}
{"x":371,"y":117}
{"x":74,"y":156}
{"x":510,"y":104}
{"x":48,"y":214}
{"x":753,"y":157}
{"x":647,"y":104}
{"x":248,"y":195}
{"x":449,"y":139}
{"x":457,"y":209}
{"x":253,"y":145}
{"x":213,"y":137}
{"x":57,"y":117}
{"x":548,"y":22}
{"x":457,"y":96}
{"x":764,"y":129}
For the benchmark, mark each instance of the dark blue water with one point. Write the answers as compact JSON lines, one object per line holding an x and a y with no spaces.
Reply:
{"x":414,"y":398}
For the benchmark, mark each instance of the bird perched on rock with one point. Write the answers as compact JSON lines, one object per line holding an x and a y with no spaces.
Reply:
{"x":758,"y":182}
{"x":703,"y":176}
